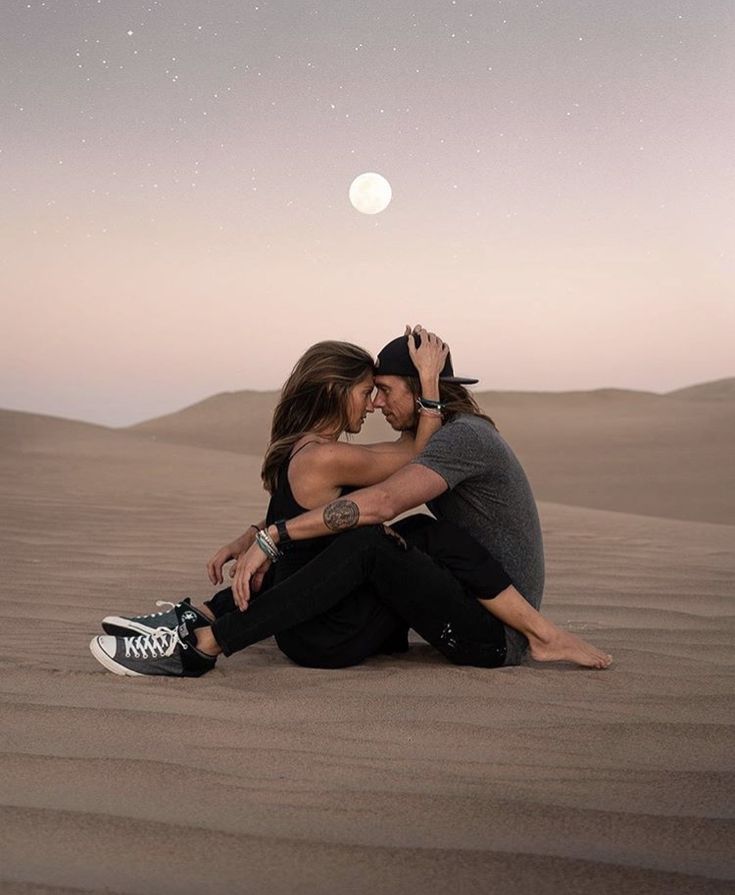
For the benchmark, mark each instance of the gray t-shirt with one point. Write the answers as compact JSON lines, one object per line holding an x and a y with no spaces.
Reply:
{"x":490,"y":498}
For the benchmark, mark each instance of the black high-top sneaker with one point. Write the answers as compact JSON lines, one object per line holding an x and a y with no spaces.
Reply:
{"x":165,"y":651}
{"x":124,"y":626}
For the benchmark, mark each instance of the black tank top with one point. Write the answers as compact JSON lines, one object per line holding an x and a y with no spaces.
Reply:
{"x":283,"y":505}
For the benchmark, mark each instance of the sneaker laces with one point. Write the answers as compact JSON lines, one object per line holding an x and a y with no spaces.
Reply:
{"x":165,"y":611}
{"x":160,"y":643}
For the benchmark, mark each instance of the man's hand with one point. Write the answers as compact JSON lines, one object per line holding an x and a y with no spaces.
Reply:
{"x":430,"y":356}
{"x":229,"y":552}
{"x":251,"y":567}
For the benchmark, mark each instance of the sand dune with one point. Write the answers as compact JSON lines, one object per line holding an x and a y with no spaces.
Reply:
{"x":20,"y":430}
{"x":402,"y":775}
{"x":611,"y":449}
{"x":231,"y":421}
{"x":720,"y":390}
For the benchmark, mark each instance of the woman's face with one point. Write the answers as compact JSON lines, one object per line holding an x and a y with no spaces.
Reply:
{"x":360,"y":403}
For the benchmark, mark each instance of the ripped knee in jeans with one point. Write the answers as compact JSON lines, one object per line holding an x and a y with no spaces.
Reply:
{"x":469,"y":652}
{"x":394,"y":536}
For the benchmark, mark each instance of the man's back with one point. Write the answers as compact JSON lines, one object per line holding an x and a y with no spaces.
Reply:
{"x":489,"y":497}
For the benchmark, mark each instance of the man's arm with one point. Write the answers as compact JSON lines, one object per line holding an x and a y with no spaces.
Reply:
{"x":405,"y":442}
{"x":409,"y":487}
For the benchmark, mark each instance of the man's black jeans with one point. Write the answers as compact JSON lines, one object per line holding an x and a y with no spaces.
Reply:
{"x":409,"y":582}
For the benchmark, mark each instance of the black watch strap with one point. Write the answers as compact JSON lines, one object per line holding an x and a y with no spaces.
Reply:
{"x":283,"y":535}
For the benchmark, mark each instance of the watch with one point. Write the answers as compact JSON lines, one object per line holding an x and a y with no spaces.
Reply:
{"x":283,"y":535}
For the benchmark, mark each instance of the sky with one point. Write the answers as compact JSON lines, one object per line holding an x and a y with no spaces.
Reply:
{"x":175,"y":174}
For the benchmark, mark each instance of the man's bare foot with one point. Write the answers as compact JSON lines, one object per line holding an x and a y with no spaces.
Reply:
{"x":561,"y":646}
{"x":547,"y":642}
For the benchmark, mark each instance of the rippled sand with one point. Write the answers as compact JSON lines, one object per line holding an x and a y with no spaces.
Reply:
{"x":403,"y":775}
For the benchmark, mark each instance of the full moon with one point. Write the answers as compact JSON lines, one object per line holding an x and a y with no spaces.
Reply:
{"x":370,"y":193}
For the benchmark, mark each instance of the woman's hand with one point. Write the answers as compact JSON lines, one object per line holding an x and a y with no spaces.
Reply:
{"x":430,"y":356}
{"x":229,"y":552}
{"x":248,"y":575}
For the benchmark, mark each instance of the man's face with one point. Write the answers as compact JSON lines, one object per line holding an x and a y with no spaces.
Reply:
{"x":396,"y":402}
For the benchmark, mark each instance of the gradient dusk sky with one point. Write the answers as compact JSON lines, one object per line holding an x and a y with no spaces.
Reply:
{"x":175,"y":181}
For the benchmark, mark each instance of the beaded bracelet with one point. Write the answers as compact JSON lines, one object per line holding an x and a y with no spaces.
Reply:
{"x":270,"y":542}
{"x":265,"y":542}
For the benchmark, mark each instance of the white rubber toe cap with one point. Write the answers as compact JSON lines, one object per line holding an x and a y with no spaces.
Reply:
{"x":104,"y":648}
{"x":107,"y":644}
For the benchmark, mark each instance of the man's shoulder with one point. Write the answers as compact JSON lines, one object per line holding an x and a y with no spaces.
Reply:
{"x":462,"y":449}
{"x":464,"y":436}
{"x":467,"y":425}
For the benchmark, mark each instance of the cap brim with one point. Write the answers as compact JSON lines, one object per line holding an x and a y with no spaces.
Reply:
{"x":460,"y":380}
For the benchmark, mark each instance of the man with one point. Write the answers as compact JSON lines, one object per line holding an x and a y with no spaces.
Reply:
{"x":469,"y":476}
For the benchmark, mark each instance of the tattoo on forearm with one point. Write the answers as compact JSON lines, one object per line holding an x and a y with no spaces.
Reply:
{"x":341,"y":514}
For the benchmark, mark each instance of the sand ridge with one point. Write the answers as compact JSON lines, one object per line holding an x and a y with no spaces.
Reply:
{"x":635,"y":452}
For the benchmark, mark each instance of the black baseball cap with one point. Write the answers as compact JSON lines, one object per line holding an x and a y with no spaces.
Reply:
{"x":394,"y":360}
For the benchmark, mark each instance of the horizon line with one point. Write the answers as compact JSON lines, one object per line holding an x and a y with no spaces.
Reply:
{"x":275,"y":391}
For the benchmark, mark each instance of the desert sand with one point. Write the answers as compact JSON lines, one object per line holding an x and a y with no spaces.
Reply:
{"x":405,"y":774}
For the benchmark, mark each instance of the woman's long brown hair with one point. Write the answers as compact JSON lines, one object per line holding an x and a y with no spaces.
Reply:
{"x":315,"y":396}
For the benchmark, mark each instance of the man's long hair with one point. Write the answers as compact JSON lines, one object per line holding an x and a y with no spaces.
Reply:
{"x":454,"y":397}
{"x":315,"y":396}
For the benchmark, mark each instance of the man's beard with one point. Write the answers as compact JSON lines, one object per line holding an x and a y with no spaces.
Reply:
{"x":403,"y":426}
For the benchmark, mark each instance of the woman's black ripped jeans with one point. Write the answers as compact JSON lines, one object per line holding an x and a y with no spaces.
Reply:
{"x":417,"y":588}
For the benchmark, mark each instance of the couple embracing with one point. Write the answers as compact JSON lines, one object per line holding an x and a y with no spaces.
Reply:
{"x":327,"y":576}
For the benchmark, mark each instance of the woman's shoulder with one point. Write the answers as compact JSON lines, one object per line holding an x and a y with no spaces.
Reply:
{"x":315,"y":456}
{"x":312,"y":471}
{"x":318,"y":448}
{"x":335,"y":463}
{"x":307,"y":445}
